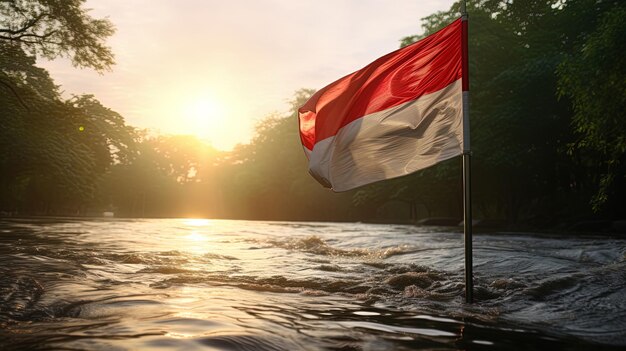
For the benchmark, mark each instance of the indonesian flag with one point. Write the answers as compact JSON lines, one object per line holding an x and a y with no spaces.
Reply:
{"x":399,"y":114}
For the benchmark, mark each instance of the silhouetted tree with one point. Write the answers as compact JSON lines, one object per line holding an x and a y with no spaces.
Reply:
{"x":52,"y":28}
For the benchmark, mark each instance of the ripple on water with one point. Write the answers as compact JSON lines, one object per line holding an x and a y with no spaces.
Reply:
{"x":135,"y":285}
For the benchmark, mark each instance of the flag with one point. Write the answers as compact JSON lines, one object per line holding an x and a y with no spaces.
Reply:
{"x":397,"y":115}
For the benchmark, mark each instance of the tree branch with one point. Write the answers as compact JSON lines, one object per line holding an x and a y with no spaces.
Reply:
{"x":33,"y":35}
{"x":42,"y":38}
{"x":26,"y":26}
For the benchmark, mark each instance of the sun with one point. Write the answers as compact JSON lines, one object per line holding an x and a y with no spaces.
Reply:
{"x":202,"y":116}
{"x":211,"y":115}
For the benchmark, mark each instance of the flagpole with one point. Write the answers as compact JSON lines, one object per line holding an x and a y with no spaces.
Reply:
{"x":467,"y":192}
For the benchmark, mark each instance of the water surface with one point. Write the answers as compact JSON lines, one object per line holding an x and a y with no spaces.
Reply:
{"x":244,"y":285}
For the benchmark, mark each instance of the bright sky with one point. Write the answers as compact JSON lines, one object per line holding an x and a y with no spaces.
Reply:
{"x":214,"y":68}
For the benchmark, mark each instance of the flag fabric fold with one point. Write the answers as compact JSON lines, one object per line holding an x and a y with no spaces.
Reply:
{"x":399,"y":114}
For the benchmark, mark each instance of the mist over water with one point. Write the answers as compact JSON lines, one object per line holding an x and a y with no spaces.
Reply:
{"x":246,"y":285}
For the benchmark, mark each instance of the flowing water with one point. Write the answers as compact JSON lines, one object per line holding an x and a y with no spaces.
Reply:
{"x":243,"y":285}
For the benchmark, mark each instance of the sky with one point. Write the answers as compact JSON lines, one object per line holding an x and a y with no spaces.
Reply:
{"x":214,"y":69}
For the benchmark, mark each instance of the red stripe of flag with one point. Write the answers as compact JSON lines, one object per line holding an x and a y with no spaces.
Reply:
{"x":424,"y":67}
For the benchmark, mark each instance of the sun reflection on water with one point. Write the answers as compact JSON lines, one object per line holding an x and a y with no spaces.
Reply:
{"x":196,"y":241}
{"x":196,"y":237}
{"x":197,"y":222}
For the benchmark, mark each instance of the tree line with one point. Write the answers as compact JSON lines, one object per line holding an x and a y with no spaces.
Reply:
{"x":548,"y":130}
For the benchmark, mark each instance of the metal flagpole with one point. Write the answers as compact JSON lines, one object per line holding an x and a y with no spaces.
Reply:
{"x":467,"y":189}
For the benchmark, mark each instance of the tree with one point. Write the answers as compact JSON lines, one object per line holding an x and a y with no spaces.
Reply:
{"x":592,"y":77}
{"x":52,"y":151}
{"x":54,"y":28}
{"x":139,"y":186}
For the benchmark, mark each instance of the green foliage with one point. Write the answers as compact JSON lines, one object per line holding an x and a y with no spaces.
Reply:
{"x":52,"y":152}
{"x":592,"y":77}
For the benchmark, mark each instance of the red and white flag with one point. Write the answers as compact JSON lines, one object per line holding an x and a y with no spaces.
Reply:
{"x":397,"y":115}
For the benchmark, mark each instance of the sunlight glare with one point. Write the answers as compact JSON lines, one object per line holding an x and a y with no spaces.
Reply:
{"x":197,"y":222}
{"x":203,"y":116}
{"x":196,"y":237}
{"x":212,"y":114}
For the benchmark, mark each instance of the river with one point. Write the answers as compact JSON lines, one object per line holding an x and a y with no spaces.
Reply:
{"x":180,"y":284}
